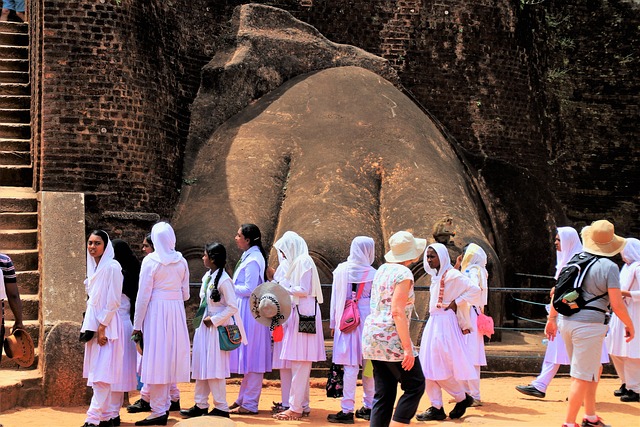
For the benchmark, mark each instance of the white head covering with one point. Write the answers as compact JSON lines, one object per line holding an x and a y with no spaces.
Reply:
{"x":93,"y":269}
{"x":445,"y":262}
{"x":631,"y":256}
{"x":569,"y":245}
{"x":164,"y":243}
{"x":296,"y":251}
{"x":475,"y":259}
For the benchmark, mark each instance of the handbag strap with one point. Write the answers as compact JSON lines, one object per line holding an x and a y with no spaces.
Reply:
{"x":360,"y":287}
{"x":441,"y":291}
{"x":315,"y":310}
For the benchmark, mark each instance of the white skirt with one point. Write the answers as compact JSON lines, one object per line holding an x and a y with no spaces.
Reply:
{"x":302,"y":347}
{"x":475,"y":342}
{"x":278,"y":361}
{"x":616,"y":343}
{"x":209,"y":362}
{"x":103,"y":364}
{"x":442,"y":349}
{"x":128,"y":380}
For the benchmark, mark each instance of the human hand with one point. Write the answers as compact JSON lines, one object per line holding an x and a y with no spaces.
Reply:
{"x":408,"y":360}
{"x":16,"y":326}
{"x":332,"y":332}
{"x":453,"y":306}
{"x":102,"y":336}
{"x":629,"y":333}
{"x":207,"y":322}
{"x":551,"y":329}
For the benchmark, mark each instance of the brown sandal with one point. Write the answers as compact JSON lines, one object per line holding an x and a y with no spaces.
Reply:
{"x":288,"y":415}
{"x":241,"y":410}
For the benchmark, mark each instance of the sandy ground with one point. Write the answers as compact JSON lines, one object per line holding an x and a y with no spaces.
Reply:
{"x":503,"y":406}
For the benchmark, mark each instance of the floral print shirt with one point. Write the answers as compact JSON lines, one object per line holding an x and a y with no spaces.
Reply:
{"x":380,"y":340}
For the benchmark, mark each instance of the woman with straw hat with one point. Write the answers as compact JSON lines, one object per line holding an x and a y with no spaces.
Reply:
{"x":385,"y":336}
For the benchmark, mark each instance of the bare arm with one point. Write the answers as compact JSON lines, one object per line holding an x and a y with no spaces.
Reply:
{"x":398,"y":304}
{"x":13,"y":297}
{"x":618,"y":307}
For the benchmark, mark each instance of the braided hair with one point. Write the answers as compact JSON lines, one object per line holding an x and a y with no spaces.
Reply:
{"x":218,"y":256}
{"x":252,"y":232}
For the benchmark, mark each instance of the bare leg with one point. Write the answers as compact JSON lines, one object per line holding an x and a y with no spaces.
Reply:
{"x":5,"y":14}
{"x":22,"y":16}
{"x":577,"y":394}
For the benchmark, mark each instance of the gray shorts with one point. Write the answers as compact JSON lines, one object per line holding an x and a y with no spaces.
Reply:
{"x":584,"y":347}
{"x":17,"y":5}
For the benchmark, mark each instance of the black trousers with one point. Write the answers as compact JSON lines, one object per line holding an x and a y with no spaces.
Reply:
{"x":386,"y":376}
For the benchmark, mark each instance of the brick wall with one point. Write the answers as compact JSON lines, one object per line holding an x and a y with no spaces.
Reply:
{"x":117,"y":82}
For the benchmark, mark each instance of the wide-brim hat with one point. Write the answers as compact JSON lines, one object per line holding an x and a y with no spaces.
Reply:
{"x":405,"y":247}
{"x":599,"y":239}
{"x":270,"y":304}
{"x":19,"y":347}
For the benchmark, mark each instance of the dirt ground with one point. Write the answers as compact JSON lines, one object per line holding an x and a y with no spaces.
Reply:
{"x":503,"y":406}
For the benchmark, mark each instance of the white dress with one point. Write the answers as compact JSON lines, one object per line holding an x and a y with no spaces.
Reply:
{"x":161,"y":316}
{"x":616,"y":343}
{"x":209,"y":362}
{"x":103,"y":363}
{"x":128,"y":380}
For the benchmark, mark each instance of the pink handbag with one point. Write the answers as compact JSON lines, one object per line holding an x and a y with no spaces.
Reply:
{"x":351,"y":314}
{"x":485,"y":324}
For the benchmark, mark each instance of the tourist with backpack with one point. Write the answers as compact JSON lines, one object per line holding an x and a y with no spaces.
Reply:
{"x":584,"y":324}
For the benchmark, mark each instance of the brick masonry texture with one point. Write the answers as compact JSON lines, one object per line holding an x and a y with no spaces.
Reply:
{"x":548,"y":88}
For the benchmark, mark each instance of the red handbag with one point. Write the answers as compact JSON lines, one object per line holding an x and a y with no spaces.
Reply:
{"x":351,"y":314}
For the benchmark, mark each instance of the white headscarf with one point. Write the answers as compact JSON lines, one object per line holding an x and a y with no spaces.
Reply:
{"x":296,"y":251}
{"x":164,"y":243}
{"x":475,"y":259}
{"x":445,"y":262}
{"x":93,"y":269}
{"x":356,"y":269}
{"x":631,"y":256}
{"x":569,"y":245}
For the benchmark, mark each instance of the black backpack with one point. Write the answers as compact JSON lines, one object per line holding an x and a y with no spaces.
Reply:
{"x":568,"y":299}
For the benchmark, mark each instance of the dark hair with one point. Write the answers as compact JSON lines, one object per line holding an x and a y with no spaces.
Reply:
{"x":252,"y":232}
{"x":149,"y":241}
{"x":218,"y":256}
{"x":101,"y":234}
{"x":130,"y":270}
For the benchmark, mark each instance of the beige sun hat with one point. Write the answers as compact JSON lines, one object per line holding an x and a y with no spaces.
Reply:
{"x":599,"y":239}
{"x":270,"y":304}
{"x":405,"y":247}
{"x":19,"y":347}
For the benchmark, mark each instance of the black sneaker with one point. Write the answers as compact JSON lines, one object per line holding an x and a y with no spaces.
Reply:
{"x":175,"y":405}
{"x":530,"y":390}
{"x":631,"y":396}
{"x":139,"y":406}
{"x":461,"y":407}
{"x":599,"y":423}
{"x":341,"y":418}
{"x":432,"y":414}
{"x":621,"y":391}
{"x":364,"y":413}
{"x":215,"y":412}
{"x":194,"y":411}
{"x":116,"y":421}
{"x":108,"y":423}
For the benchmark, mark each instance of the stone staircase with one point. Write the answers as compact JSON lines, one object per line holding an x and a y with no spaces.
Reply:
{"x":18,"y":207}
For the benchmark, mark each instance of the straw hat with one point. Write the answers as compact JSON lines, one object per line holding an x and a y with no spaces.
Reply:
{"x":599,"y":239}
{"x":404,"y":247}
{"x":270,"y":304}
{"x":19,"y":347}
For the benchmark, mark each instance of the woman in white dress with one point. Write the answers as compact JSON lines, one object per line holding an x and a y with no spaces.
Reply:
{"x":474,"y":266}
{"x":104,"y":351}
{"x":626,"y":355}
{"x":300,"y":348}
{"x":254,"y":359}
{"x":128,"y":381}
{"x":210,"y":363}
{"x":348,"y":278}
{"x":160,"y":317}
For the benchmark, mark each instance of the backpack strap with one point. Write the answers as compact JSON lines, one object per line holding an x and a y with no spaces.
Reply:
{"x":595,"y":308}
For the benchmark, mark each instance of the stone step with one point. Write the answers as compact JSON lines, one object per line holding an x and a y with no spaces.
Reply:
{"x":15,"y":115}
{"x":13,"y":39}
{"x":18,"y":199}
{"x":20,"y":387}
{"x":14,"y":52}
{"x":15,"y":130}
{"x":18,"y":220}
{"x":14,"y":27}
{"x":16,"y":176}
{"x":30,"y":307}
{"x":14,"y":76}
{"x":15,"y":158}
{"x":9,"y":144}
{"x":31,"y":326}
{"x":15,"y":89}
{"x":28,"y":281}
{"x":15,"y":101}
{"x":19,"y":239}
{"x":14,"y":64}
{"x":23,"y":260}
